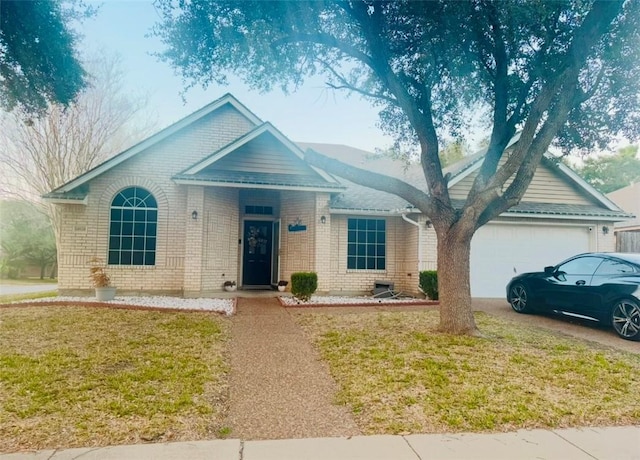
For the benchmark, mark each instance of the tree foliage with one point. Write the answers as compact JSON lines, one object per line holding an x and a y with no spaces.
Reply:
{"x":39,"y":155}
{"x":26,"y":238}
{"x":612,"y":172}
{"x":38,"y":61}
{"x":554,"y":71}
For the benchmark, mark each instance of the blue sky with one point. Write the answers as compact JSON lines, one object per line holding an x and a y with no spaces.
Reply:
{"x":312,"y":114}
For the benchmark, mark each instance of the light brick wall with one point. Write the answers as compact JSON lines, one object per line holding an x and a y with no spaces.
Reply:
{"x":361,"y":281}
{"x":297,"y":249}
{"x":85,"y":230}
{"x":221,"y":249}
{"x":323,"y":242}
{"x":194,"y":235}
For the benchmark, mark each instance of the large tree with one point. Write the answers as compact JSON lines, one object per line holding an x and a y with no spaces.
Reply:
{"x":38,"y":155}
{"x":38,"y":60}
{"x":554,"y":71}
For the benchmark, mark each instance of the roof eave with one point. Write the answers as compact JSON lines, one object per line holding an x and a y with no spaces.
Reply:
{"x":257,"y":185}
{"x":158,"y":137}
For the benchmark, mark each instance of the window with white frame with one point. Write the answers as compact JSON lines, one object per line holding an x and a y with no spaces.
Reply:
{"x":133,"y":228}
{"x":366,"y":244}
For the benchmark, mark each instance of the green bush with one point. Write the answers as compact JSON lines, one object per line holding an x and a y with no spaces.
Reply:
{"x":304,"y":284}
{"x":429,"y":283}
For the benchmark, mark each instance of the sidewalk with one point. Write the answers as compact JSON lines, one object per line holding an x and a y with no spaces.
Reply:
{"x":620,"y":443}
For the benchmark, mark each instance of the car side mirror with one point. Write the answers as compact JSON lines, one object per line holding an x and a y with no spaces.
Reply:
{"x":549,"y":270}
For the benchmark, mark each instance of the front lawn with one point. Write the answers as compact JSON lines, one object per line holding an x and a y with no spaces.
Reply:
{"x":75,"y":376}
{"x":398,"y":375}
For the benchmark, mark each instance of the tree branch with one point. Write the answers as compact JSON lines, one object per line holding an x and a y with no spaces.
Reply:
{"x":373,"y":180}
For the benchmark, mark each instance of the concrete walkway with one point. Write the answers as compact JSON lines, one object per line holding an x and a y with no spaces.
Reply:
{"x":279,"y":388}
{"x":622,"y":443}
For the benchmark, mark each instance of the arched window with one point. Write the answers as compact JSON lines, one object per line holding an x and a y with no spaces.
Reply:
{"x":133,"y":228}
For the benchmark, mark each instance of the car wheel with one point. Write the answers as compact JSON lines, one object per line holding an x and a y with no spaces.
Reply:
{"x":625,"y":318}
{"x":519,"y":298}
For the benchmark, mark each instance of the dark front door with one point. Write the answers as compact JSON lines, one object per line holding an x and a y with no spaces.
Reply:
{"x":257,"y":243}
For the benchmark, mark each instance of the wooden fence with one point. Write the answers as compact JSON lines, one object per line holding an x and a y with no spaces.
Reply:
{"x":628,"y":241}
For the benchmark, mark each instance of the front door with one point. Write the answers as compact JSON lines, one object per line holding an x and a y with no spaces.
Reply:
{"x":256,"y":266}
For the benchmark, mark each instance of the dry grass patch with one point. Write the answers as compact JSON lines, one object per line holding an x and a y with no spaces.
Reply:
{"x":399,"y":375}
{"x":73,"y":376}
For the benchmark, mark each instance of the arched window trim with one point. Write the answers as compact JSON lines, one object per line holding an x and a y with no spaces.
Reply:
{"x":133,"y":227}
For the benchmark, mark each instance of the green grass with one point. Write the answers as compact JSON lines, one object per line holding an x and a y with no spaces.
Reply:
{"x":73,"y":376}
{"x":398,"y":375}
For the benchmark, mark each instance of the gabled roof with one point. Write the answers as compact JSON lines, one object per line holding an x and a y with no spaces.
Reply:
{"x":63,"y":191}
{"x":361,"y":199}
{"x":228,"y":166}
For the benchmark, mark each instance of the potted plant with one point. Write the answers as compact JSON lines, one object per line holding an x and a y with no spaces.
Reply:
{"x":282,"y":285}
{"x":230,"y":286}
{"x":101,"y":280}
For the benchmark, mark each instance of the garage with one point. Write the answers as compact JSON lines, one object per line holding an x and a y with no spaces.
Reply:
{"x":501,"y":251}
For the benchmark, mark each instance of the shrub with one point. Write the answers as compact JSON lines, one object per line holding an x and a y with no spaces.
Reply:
{"x":429,"y":283}
{"x":304,"y":284}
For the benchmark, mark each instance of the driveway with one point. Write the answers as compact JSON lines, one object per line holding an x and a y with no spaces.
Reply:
{"x":13,"y":289}
{"x":570,"y":326}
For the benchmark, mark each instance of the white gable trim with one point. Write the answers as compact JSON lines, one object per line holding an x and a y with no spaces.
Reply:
{"x":588,"y":187}
{"x":257,"y":132}
{"x":158,"y":137}
{"x":474,"y":167}
{"x":568,"y":172}
{"x":303,"y":188}
{"x":84,"y":201}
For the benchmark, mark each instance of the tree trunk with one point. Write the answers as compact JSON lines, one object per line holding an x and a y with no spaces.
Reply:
{"x":454,"y":287}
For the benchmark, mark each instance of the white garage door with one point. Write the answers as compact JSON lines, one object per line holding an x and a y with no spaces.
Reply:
{"x":500,"y":251}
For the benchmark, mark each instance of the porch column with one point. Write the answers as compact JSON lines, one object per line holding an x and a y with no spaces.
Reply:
{"x":194,"y":232}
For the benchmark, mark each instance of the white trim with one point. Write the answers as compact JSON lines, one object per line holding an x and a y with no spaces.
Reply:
{"x":504,"y":214}
{"x":57,"y":200}
{"x":302,"y":188}
{"x":568,"y":172}
{"x":257,"y":132}
{"x":464,"y":173}
{"x":538,"y":224}
{"x":417,"y":224}
{"x":158,"y":137}
{"x":586,"y":186}
{"x":560,"y":216}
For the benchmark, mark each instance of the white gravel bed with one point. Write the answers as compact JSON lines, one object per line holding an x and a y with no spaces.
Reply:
{"x":218,"y":305}
{"x":344,"y":300}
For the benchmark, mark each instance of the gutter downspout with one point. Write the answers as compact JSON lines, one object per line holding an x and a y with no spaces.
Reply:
{"x":413,"y":222}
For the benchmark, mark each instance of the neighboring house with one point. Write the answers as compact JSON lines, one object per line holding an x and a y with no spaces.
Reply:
{"x":628,"y":232}
{"x":221,"y":195}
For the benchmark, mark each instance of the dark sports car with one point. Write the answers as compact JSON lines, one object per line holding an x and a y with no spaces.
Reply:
{"x":603,"y":287}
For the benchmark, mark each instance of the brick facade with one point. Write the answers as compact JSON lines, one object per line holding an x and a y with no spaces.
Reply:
{"x":196,"y":253}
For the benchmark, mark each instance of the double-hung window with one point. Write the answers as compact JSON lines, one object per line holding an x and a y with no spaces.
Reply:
{"x":366,"y":244}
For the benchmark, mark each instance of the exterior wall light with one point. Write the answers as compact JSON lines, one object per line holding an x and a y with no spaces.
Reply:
{"x":605,"y":230}
{"x":194,"y":215}
{"x":323,"y":220}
